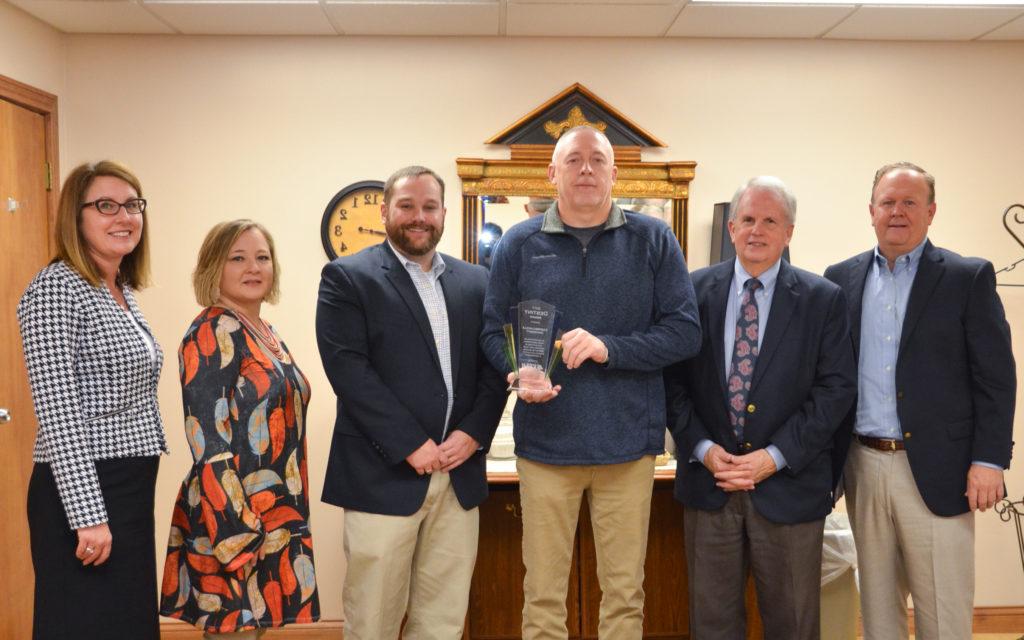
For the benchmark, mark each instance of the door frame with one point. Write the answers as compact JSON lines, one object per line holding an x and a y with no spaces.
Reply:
{"x":45,"y":104}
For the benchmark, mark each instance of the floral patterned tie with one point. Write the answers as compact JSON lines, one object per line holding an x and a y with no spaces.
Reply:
{"x":744,"y":356}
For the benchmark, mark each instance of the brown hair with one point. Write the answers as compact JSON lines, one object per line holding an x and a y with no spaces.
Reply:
{"x":909,"y":166}
{"x":413,"y":171}
{"x":214,"y":253}
{"x":72,"y":247}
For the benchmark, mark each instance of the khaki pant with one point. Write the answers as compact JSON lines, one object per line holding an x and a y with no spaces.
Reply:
{"x":419,"y":565}
{"x":619,"y":497}
{"x":903,"y":548}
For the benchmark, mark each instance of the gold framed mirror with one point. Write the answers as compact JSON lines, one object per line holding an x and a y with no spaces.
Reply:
{"x":502,"y":192}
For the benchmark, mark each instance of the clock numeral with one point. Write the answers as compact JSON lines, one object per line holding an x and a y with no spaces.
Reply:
{"x":344,"y":247}
{"x":337,"y":229}
{"x":342,"y":214}
{"x":355,"y":202}
{"x":370,"y":198}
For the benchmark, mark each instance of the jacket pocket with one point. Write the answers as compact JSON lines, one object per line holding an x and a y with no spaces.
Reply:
{"x":110,"y":414}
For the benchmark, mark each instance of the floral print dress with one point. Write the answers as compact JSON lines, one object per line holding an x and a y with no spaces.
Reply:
{"x":247,"y":492}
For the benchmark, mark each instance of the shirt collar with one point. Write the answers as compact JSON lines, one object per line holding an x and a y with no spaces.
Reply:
{"x":437,"y":266}
{"x":553,"y":220}
{"x":907,"y":260}
{"x":767,"y":279}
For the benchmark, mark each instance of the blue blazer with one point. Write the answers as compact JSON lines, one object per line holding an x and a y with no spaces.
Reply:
{"x":804,"y":383}
{"x":378,"y":351}
{"x":956,"y":379}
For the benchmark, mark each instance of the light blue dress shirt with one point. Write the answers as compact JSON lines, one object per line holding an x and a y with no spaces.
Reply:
{"x":428,"y":286}
{"x":884,"y":302}
{"x":763,"y":298}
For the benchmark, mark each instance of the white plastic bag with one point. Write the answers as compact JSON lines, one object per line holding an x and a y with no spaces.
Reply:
{"x":838,"y":552}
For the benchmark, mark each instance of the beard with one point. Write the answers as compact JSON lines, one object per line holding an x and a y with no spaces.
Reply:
{"x":397,"y":234}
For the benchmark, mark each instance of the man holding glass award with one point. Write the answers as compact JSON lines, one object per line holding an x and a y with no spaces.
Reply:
{"x":585,"y":306}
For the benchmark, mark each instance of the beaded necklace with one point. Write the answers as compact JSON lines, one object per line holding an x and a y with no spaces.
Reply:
{"x":264,"y":333}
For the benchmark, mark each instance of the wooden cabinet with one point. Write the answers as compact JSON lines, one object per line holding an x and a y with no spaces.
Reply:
{"x":496,"y":596}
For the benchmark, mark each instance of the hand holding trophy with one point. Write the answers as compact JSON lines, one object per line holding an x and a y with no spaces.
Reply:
{"x":532,"y":349}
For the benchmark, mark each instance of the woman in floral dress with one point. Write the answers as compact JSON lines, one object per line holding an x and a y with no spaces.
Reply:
{"x":240,"y":554}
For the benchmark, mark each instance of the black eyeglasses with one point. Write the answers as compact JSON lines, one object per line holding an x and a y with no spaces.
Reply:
{"x":109,"y":207}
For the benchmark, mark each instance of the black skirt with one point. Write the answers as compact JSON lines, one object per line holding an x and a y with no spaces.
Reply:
{"x":116,"y":600}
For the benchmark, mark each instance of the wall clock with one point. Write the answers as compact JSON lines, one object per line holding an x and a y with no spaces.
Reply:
{"x":352,"y":221}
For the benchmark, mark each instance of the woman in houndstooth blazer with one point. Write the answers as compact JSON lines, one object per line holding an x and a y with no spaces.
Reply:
{"x":93,"y":367}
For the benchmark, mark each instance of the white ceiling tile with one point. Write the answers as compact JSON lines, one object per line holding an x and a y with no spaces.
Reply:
{"x":589,"y":3}
{"x":291,"y":17}
{"x":416,"y":18}
{"x":574,"y":19}
{"x":94,"y":16}
{"x":757,"y":21}
{"x":1011,"y":31}
{"x":921,"y":23}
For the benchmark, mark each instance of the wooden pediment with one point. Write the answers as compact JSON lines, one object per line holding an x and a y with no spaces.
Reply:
{"x":574,"y":106}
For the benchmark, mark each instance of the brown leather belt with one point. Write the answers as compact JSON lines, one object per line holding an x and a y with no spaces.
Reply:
{"x":882,"y":444}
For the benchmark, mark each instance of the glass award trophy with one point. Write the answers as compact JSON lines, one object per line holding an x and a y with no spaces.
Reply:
{"x":532,"y":346}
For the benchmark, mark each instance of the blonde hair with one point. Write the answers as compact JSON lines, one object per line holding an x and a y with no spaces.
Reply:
{"x":72,"y":247}
{"x":214,"y":253}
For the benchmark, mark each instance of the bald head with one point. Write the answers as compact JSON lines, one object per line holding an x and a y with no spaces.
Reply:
{"x":567,"y":138}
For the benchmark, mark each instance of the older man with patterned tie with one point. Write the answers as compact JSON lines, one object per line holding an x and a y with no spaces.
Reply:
{"x":753,"y":416}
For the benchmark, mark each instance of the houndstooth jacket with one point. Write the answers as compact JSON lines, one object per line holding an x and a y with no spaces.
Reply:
{"x":93,"y":384}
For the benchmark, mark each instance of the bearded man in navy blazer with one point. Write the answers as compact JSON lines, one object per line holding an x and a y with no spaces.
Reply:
{"x":934,"y":414}
{"x":398,"y":326}
{"x":754,"y":416}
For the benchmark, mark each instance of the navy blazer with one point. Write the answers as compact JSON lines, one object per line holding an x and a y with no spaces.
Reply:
{"x":379,"y":354}
{"x":803,"y":385}
{"x":956,"y":379}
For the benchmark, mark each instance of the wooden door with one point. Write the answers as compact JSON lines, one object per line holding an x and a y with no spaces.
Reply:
{"x":25,"y":206}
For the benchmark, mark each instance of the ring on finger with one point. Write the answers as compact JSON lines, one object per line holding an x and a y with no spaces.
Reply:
{"x":90,"y":550}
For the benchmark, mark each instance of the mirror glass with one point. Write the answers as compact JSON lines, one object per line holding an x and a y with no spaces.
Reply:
{"x":499,"y":213}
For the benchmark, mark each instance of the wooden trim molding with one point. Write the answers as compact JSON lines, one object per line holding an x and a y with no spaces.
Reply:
{"x":986,"y":620}
{"x":992,"y":620}
{"x":330,"y":629}
{"x":45,"y":104}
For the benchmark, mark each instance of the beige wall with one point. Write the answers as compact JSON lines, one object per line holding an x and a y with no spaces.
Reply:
{"x":271,"y":128}
{"x":31,"y":51}
{"x":34,"y":53}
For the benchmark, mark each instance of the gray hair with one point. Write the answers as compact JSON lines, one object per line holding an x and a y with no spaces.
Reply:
{"x":772,"y":185}
{"x":540,"y":204}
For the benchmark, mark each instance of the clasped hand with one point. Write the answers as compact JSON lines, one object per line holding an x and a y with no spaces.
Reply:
{"x":738,"y":473}
{"x":430,"y":457}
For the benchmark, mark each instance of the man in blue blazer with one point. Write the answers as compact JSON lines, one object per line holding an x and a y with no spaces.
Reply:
{"x":934,"y":417}
{"x":754,"y":416}
{"x":398,"y":326}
